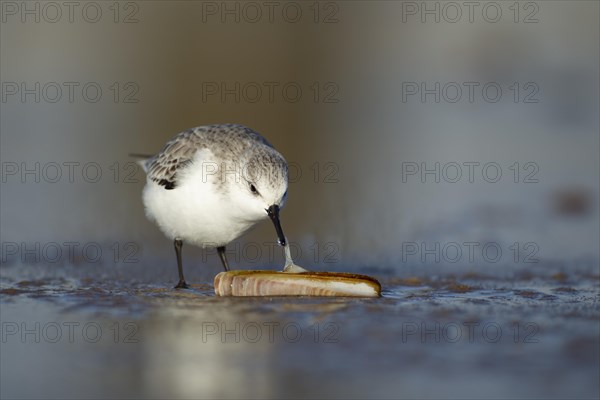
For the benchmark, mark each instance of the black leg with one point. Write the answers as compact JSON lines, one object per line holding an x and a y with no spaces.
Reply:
{"x":221,"y":251}
{"x":181,"y":285}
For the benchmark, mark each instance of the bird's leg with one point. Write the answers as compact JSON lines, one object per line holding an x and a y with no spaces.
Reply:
{"x":181,"y":285}
{"x":221,"y":251}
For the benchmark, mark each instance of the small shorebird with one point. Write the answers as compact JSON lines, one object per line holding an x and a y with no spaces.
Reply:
{"x":210,"y":184}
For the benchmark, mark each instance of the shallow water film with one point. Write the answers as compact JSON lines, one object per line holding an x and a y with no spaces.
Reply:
{"x":529,"y":333}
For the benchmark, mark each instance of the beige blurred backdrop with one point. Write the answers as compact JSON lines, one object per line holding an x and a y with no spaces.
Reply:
{"x":351,"y":134}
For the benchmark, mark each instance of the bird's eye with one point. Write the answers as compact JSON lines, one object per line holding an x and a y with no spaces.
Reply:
{"x":253,"y":189}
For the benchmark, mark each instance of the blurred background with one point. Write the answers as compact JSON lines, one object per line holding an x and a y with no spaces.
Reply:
{"x":362,"y":103}
{"x":408,"y":126}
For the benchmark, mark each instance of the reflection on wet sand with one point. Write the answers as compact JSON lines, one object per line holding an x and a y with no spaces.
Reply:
{"x":449,"y":333}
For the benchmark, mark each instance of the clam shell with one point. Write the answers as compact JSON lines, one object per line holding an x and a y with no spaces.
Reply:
{"x":271,"y":283}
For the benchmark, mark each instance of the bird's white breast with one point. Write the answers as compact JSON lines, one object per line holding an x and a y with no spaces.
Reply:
{"x":196,"y":211}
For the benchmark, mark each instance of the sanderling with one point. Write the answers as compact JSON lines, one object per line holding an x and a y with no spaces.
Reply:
{"x":210,"y":184}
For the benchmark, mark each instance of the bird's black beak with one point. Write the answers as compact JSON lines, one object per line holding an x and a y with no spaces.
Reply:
{"x":273,"y":212}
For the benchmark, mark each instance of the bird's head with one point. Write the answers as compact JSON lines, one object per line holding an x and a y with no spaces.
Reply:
{"x":262,"y":187}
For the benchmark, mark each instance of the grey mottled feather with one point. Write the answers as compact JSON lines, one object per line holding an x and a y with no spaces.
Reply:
{"x":225,"y":141}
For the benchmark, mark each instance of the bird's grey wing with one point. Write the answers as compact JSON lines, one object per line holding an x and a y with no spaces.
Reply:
{"x":177,"y":154}
{"x":224,"y":140}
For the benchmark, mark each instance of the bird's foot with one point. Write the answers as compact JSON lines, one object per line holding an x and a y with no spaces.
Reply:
{"x":182,"y":285}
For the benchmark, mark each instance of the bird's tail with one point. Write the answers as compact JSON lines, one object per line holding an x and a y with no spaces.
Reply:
{"x":142,"y":159}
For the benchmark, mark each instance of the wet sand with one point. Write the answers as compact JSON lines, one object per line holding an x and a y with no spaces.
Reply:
{"x":436,"y":333}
